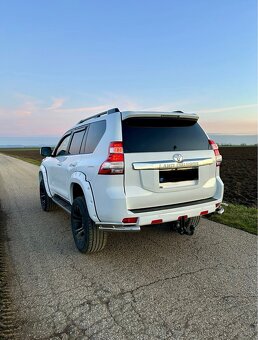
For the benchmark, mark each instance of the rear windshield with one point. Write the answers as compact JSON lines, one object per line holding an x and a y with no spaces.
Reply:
{"x":162,"y":134}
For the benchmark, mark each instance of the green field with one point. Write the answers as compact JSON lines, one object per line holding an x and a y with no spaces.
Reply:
{"x":30,"y":155}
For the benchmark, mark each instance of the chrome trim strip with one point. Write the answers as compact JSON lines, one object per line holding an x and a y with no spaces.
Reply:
{"x":163,"y":165}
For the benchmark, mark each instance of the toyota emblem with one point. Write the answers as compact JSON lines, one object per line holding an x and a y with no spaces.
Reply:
{"x":178,"y":158}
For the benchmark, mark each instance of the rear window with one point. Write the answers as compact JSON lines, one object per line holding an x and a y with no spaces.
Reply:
{"x":96,"y":131}
{"x":76,"y":142}
{"x":162,"y":134}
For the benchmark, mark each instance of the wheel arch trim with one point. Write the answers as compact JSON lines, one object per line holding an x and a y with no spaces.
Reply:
{"x":80,"y":179}
{"x":43,"y":175}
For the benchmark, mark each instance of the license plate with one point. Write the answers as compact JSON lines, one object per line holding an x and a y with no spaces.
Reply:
{"x":178,"y":175}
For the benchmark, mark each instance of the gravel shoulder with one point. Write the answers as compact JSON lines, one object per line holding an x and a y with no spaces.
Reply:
{"x":7,"y":315}
{"x":154,"y":284}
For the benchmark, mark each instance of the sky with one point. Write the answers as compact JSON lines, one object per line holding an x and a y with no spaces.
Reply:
{"x":61,"y":61}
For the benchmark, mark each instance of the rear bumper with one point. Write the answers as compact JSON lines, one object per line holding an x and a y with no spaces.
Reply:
{"x":166,"y":215}
{"x":173,"y":214}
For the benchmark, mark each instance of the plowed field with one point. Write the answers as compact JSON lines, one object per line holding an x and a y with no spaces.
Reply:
{"x":239,"y":174}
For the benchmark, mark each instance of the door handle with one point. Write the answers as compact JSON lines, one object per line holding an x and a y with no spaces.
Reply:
{"x":59,"y":164}
{"x":72,"y":165}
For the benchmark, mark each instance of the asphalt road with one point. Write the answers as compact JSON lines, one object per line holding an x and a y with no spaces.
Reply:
{"x":154,"y":284}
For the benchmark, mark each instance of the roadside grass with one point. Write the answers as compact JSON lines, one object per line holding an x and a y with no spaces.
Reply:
{"x":238,"y":216}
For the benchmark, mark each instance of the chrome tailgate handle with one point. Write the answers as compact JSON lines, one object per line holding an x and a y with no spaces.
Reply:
{"x":163,"y":165}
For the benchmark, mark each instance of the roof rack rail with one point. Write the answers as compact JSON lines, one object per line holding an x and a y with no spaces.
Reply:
{"x":108,"y":112}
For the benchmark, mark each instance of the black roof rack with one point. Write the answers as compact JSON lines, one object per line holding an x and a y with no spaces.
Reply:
{"x":108,"y":112}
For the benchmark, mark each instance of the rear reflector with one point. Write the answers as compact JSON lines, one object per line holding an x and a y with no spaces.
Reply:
{"x":184,"y":217}
{"x":205,"y":212}
{"x":114,"y":164}
{"x":157,"y":221}
{"x":130,"y":220}
{"x":215,"y":148}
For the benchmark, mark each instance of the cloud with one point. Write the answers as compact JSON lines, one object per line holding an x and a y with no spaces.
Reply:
{"x":32,"y":117}
{"x":56,"y":104}
{"x":87,"y":109}
{"x":26,"y":109}
{"x":226,"y":126}
{"x":228,"y":108}
{"x":239,"y":119}
{"x":173,"y":106}
{"x":179,"y":105}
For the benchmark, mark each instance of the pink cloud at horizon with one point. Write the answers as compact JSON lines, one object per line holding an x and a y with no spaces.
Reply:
{"x":31,"y":118}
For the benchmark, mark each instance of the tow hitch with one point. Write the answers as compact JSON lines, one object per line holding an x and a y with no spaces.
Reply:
{"x":183,"y":227}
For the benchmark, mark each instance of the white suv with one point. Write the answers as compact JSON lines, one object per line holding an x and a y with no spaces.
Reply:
{"x":118,"y":171}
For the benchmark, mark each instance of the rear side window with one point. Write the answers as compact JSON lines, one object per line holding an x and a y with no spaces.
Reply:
{"x":76,"y":142}
{"x":96,"y":131}
{"x":162,"y":134}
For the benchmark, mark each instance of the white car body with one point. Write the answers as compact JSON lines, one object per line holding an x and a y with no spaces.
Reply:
{"x":138,"y":190}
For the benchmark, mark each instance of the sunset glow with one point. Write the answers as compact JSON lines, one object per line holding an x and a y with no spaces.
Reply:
{"x":62,"y":63}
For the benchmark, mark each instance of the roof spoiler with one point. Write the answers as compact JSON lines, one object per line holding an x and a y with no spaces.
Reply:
{"x":173,"y":114}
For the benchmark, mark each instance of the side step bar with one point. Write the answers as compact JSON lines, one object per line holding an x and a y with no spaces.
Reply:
{"x":118,"y":227}
{"x":62,"y":203}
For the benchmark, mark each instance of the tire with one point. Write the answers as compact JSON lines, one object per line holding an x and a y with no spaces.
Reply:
{"x":87,"y":236}
{"x":47,"y":203}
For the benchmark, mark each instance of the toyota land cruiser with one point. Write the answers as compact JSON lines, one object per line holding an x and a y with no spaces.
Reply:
{"x":118,"y":171}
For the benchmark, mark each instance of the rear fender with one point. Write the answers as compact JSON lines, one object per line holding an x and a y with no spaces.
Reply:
{"x":80,"y":179}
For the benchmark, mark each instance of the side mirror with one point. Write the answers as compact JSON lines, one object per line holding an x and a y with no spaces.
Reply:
{"x":46,"y":151}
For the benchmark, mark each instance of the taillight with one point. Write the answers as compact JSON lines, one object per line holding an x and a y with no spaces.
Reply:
{"x":114,"y":164}
{"x":215,"y":148}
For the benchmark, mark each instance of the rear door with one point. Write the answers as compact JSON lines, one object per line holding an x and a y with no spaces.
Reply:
{"x":168,"y":160}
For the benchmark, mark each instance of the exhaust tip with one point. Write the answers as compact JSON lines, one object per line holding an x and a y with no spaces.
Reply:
{"x":220,"y":210}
